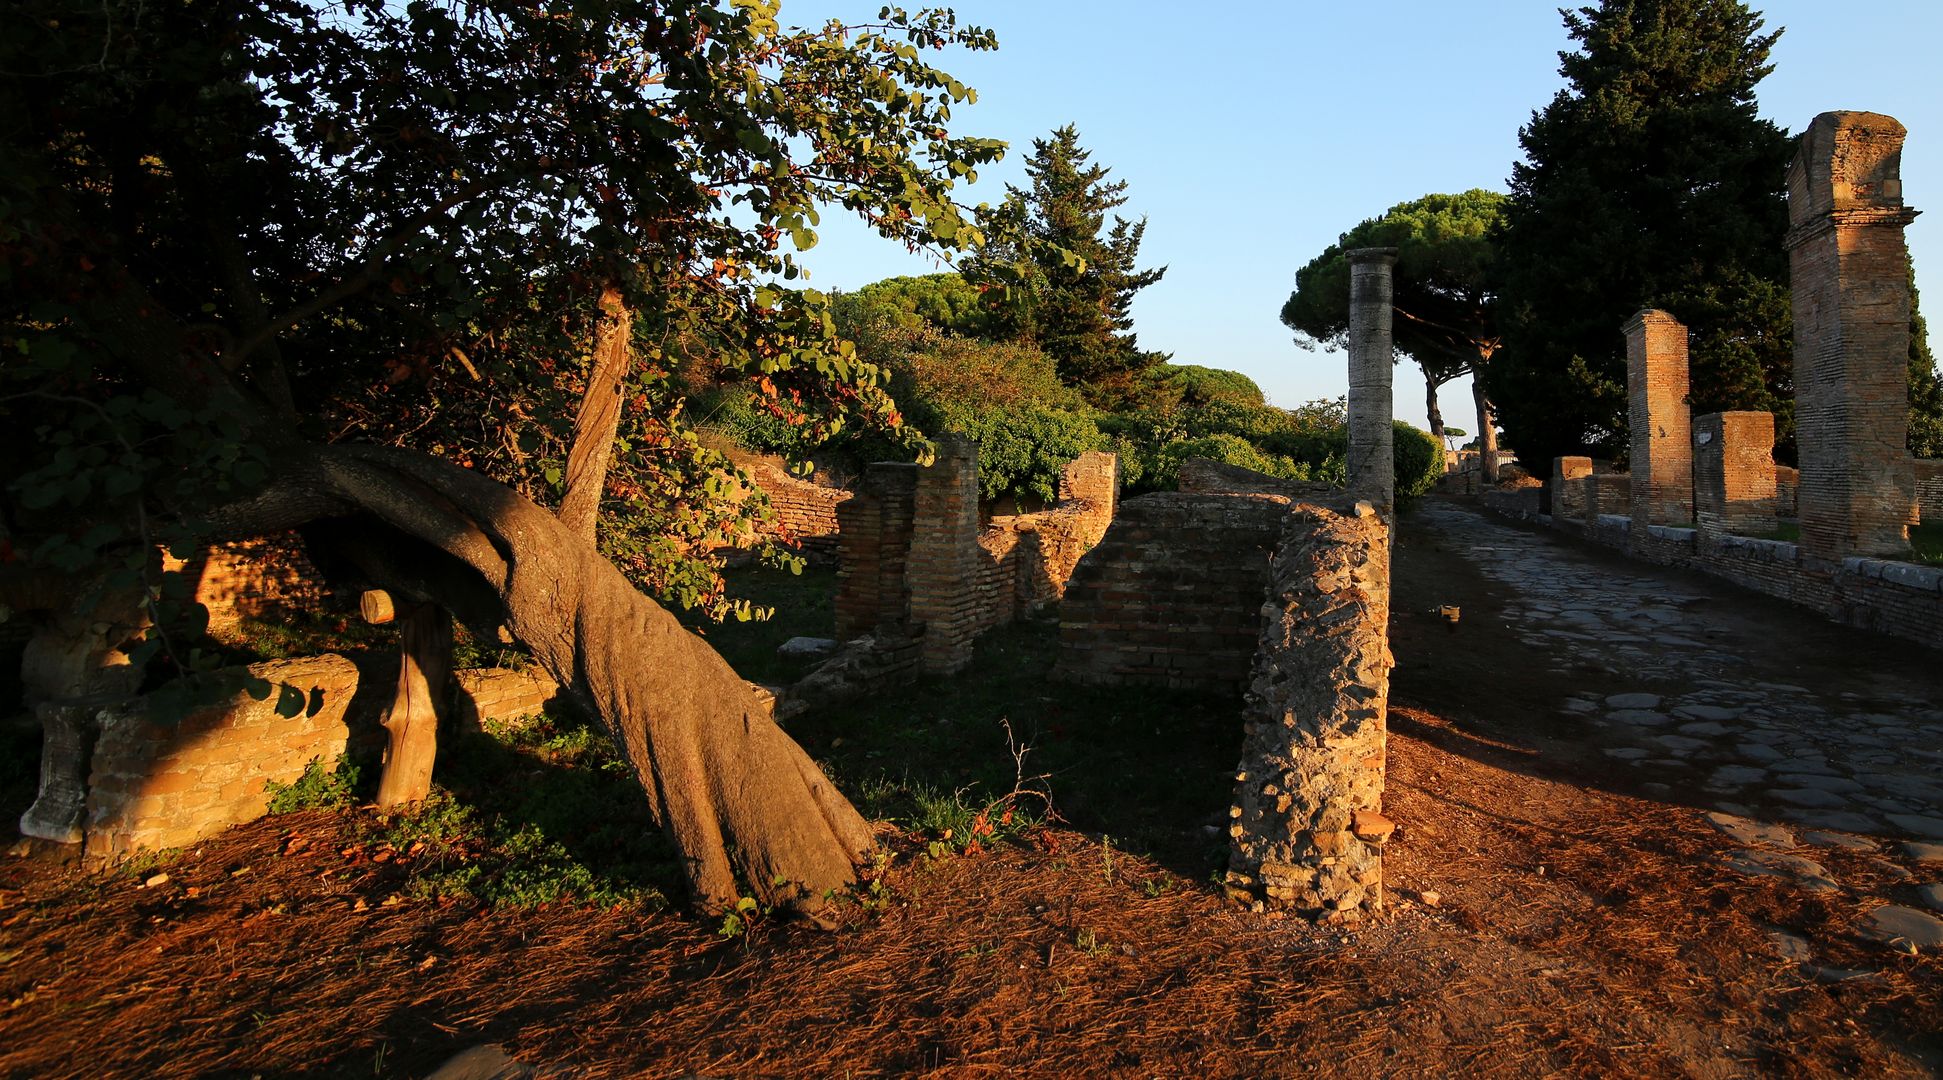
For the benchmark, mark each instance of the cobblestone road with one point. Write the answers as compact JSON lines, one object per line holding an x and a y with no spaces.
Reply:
{"x":1725,"y":699}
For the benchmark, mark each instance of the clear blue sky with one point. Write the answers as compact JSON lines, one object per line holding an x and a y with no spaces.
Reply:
{"x":1251,"y":136}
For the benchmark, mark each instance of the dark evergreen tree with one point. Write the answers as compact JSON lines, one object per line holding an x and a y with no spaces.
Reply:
{"x":1925,"y":384}
{"x":1082,"y":277}
{"x":1649,"y":181}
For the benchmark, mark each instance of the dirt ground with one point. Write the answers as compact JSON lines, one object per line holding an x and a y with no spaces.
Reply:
{"x":1577,"y":928}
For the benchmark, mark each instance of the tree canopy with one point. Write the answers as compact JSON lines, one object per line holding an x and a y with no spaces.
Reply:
{"x":1648,"y":182}
{"x":287,"y":264}
{"x":1444,"y":317}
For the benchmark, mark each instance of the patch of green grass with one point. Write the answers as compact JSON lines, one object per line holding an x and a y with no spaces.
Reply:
{"x":538,"y":813}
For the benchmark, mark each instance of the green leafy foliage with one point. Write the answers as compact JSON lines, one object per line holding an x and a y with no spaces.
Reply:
{"x":1925,"y":385}
{"x":319,"y":788}
{"x":1650,"y":181}
{"x":228,"y":227}
{"x":1419,"y":460}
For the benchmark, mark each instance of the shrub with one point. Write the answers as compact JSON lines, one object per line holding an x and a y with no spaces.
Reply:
{"x":1419,"y":460}
{"x":316,"y":789}
{"x":1021,"y":449}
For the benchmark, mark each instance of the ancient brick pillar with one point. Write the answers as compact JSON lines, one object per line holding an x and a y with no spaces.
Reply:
{"x":1662,"y":431}
{"x":1372,"y":468}
{"x":873,"y":544}
{"x":1568,"y":495}
{"x":943,"y":571}
{"x":1733,"y":473}
{"x":1307,"y":830}
{"x":1850,"y":272}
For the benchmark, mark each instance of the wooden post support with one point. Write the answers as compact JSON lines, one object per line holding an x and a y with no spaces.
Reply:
{"x":412,"y":721}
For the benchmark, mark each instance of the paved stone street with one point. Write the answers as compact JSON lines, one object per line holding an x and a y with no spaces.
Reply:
{"x":1727,"y":700}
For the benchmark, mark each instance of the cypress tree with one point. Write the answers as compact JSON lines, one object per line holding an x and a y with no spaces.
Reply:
{"x":1080,"y":308}
{"x":1649,"y":181}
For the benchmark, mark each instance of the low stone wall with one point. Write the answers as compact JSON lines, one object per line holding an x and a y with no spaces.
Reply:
{"x":1307,"y":832}
{"x":158,"y":783}
{"x":1901,"y":599}
{"x":262,"y":577}
{"x":481,"y":696}
{"x":1172,"y":596}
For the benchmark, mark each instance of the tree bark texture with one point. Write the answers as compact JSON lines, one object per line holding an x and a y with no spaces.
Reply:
{"x":1487,"y":432}
{"x":743,"y":804}
{"x":598,"y":419}
{"x":412,"y":722}
{"x":1433,"y":412}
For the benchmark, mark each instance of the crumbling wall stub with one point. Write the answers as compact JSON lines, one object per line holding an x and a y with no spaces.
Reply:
{"x":1568,"y":496}
{"x":1659,"y":420}
{"x":1606,"y":495}
{"x":944,"y":569}
{"x":1734,"y":474}
{"x":158,"y":782}
{"x":1307,"y":833}
{"x":1849,"y":269}
{"x":803,"y":512}
{"x":1929,"y":490}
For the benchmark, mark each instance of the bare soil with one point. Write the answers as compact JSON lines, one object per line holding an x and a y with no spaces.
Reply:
{"x":1577,"y":929}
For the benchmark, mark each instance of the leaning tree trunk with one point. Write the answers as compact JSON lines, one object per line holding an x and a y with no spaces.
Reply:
{"x":745,"y":806}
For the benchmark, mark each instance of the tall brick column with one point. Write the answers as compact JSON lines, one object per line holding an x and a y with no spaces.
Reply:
{"x":1851,"y":308}
{"x":1661,"y":422}
{"x":944,"y":556}
{"x":1372,"y":468}
{"x":1733,"y":473}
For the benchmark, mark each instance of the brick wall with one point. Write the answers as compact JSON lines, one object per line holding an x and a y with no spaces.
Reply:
{"x":262,"y":577}
{"x":1568,"y":496}
{"x":158,"y":783}
{"x":804,"y":511}
{"x":873,"y":541}
{"x":1787,"y":491}
{"x":1733,"y":473}
{"x":1929,"y":490}
{"x":917,"y":564}
{"x":1172,"y":595}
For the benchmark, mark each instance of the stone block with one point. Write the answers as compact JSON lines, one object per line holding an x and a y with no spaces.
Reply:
{"x":1734,"y":474}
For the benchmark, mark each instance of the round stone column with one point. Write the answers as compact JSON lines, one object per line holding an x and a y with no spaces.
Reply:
{"x":1372,"y":467}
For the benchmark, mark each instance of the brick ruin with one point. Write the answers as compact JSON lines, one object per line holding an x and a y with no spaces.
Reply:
{"x":1849,"y":266}
{"x":922,"y":575}
{"x":1858,"y":490}
{"x":804,"y":511}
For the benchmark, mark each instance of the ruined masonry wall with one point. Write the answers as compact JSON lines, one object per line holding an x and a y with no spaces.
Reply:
{"x":262,"y":577}
{"x":1307,"y":832}
{"x":1929,"y":490}
{"x":874,"y":540}
{"x":1028,"y":558}
{"x":805,"y":512}
{"x":1172,"y":595}
{"x":155,"y":784}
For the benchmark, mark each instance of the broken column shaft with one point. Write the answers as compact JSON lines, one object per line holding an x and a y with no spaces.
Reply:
{"x":1372,"y":467}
